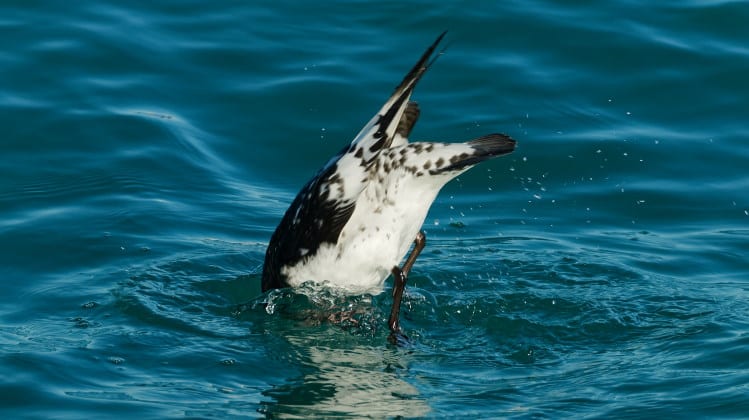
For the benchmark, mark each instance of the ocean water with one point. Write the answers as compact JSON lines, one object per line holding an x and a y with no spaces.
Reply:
{"x":150,"y":148}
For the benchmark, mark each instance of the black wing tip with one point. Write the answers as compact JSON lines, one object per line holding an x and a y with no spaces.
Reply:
{"x":403,"y":92}
{"x":494,"y":144}
{"x":423,"y":64}
{"x":439,"y":38}
{"x":484,"y":148}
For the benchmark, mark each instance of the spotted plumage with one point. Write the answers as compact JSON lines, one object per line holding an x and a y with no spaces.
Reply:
{"x":356,"y":219}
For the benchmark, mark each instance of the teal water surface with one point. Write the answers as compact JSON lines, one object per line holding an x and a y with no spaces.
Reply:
{"x":150,"y":148}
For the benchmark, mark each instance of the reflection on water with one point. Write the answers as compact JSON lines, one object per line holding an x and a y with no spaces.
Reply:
{"x":359,"y":381}
{"x":344,"y":367}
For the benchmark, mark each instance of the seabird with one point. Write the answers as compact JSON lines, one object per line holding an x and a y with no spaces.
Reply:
{"x":353,"y":223}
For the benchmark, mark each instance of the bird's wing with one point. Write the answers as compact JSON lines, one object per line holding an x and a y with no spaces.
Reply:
{"x":379,"y":132}
{"x":348,"y":171}
{"x":326,"y":202}
{"x":406,"y":124}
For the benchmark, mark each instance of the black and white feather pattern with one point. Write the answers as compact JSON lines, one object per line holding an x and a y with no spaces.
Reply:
{"x":356,"y":218}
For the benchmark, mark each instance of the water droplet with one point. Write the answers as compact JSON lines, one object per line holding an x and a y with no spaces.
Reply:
{"x":270,"y":308}
{"x":81,"y":322}
{"x":116,"y":360}
{"x":89,"y":305}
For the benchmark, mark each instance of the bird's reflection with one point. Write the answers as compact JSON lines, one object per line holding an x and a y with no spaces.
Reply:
{"x":338,"y":371}
{"x":362,"y":381}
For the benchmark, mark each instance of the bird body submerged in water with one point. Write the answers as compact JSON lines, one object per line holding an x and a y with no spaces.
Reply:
{"x":355,"y":220}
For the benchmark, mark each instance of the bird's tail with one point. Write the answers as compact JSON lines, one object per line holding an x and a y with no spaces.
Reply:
{"x":482,"y":148}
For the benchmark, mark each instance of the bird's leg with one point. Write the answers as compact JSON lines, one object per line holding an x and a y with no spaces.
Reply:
{"x":400,"y":275}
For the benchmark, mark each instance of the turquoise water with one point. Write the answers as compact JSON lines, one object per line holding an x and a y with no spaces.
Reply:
{"x":150,"y":148}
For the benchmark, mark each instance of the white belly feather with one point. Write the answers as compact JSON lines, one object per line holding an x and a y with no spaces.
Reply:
{"x":388,"y":215}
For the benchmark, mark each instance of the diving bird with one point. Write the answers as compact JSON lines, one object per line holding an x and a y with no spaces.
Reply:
{"x":353,"y":223}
